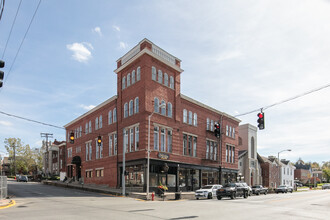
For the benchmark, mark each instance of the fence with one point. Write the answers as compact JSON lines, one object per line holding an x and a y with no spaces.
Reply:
{"x":3,"y":187}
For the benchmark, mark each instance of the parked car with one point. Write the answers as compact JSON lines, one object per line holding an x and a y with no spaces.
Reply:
{"x":290,"y":189}
{"x":208,"y":191}
{"x":326,"y":186}
{"x":249,"y":188}
{"x":282,"y":189}
{"x":23,"y":179}
{"x":233,"y":190}
{"x":259,"y":189}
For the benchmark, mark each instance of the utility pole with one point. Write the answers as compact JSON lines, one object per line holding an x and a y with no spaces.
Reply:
{"x":46,"y":135}
{"x":14,"y":159}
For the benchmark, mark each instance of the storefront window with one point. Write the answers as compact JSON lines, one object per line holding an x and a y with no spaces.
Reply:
{"x":135,"y":177}
{"x":171,"y":180}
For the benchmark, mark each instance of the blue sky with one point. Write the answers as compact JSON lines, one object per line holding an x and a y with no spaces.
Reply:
{"x":243,"y":55}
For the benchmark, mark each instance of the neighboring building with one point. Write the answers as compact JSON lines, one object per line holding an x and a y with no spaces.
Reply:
{"x":317,"y":174}
{"x":53,"y":167}
{"x":287,"y":173}
{"x":270,"y":172}
{"x":302,"y":172}
{"x":185,"y":154}
{"x":62,"y":160}
{"x":248,"y":165}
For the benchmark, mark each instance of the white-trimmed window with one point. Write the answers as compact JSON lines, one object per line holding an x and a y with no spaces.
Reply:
{"x":131,"y":139}
{"x":86,"y":128}
{"x":190,"y":117}
{"x":171,"y":82}
{"x":97,"y":150}
{"x":153,"y":73}
{"x":115,"y":149}
{"x":125,"y":110}
{"x":90,"y":150}
{"x":185,"y":144}
{"x":87,"y":151}
{"x":195,"y":146}
{"x":207,"y":149}
{"x":184,"y":115}
{"x":169,"y":141}
{"x":162,"y":139}
{"x":160,"y":76}
{"x":110,"y":145}
{"x":138,"y":74}
{"x":165,"y":79}
{"x":114,"y":115}
{"x":100,"y":122}
{"x":123,"y":84}
{"x":156,"y":105}
{"x":156,"y":138}
{"x":90,"y":126}
{"x":136,"y":138}
{"x":96,"y":123}
{"x":211,"y":150}
{"x":133,"y":77}
{"x":126,"y":140}
{"x":110,"y":117}
{"x":169,"y":109}
{"x":136,"y":105}
{"x":131,"y":108}
{"x":195,"y":119}
{"x":128,"y":80}
{"x":227,"y":130}
{"x":69,"y":152}
{"x":215,"y":151}
{"x":211,"y":126}
{"x":208,"y":124}
{"x":163,"y":109}
{"x":233,"y":133}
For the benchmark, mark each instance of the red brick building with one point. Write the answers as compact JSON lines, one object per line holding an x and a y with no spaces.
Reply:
{"x":270,"y":172}
{"x":184,"y":150}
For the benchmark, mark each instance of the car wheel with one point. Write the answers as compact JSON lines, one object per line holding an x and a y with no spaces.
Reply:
{"x":197,"y":198}
{"x":233,"y":195}
{"x":209,"y":196}
{"x":258,"y":193}
{"x":246,"y":194}
{"x":266,"y":193}
{"x":219,"y":197}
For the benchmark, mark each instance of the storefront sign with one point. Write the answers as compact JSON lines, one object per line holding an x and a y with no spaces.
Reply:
{"x":163,"y":156}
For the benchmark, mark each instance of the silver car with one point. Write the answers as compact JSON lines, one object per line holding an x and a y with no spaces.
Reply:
{"x":207,"y":192}
{"x":326,"y":186}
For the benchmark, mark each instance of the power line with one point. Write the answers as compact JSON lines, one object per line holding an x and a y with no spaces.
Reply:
{"x":286,"y":100}
{"x":31,"y":120}
{"x":11,"y":29}
{"x":35,"y":12}
{"x":3,"y":6}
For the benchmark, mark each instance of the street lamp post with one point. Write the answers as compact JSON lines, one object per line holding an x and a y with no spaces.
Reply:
{"x":279,"y":166}
{"x":148,"y":160}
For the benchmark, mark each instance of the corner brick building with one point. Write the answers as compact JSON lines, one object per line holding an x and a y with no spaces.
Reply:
{"x":185,"y":154}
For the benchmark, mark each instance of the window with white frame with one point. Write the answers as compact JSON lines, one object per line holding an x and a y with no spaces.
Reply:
{"x":100,"y":121}
{"x":128,"y":80}
{"x":233,"y":133}
{"x":97,"y":151}
{"x":190,"y":117}
{"x":153,"y":73}
{"x":133,"y":77}
{"x":163,"y":108}
{"x":69,"y":152}
{"x":96,"y":123}
{"x":184,"y":115}
{"x":171,"y":82}
{"x":136,"y":145}
{"x":156,"y":138}
{"x":156,"y":105}
{"x":169,"y":109}
{"x":131,"y":108}
{"x":169,"y":141}
{"x":136,"y":105}
{"x":86,"y":128}
{"x":131,"y":140}
{"x":195,"y":119}
{"x":125,"y":110}
{"x":208,"y":124}
{"x":115,"y":149}
{"x":162,"y":140}
{"x":126,"y":140}
{"x":207,"y":149}
{"x":165,"y":79}
{"x":110,"y":117}
{"x":160,"y":76}
{"x":211,"y":125}
{"x":90,"y":126}
{"x":90,"y":150}
{"x":114,"y":115}
{"x":227,"y":130}
{"x":123,"y":83}
{"x":185,"y":144}
{"x":211,"y":150}
{"x":110,"y":145}
{"x":195,"y":146}
{"x":138,"y":74}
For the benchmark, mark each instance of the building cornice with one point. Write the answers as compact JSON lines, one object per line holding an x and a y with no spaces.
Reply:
{"x":92,"y":110}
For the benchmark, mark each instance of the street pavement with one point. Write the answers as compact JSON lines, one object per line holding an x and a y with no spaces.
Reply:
{"x":38,"y":201}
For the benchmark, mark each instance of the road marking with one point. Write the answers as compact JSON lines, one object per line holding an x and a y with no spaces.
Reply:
{"x":12,"y":203}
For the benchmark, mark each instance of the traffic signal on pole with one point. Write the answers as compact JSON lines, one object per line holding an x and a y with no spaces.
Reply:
{"x":72,"y":138}
{"x":217,"y":130}
{"x":99,"y":141}
{"x":261,"y":121}
{"x":2,"y":65}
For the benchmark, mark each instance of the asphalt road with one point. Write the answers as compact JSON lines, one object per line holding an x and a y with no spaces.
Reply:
{"x":37,"y":201}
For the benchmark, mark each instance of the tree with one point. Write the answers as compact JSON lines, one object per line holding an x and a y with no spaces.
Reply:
{"x":315,"y":165}
{"x":326,"y":173}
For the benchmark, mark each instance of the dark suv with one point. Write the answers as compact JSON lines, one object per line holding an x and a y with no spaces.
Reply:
{"x":233,"y":190}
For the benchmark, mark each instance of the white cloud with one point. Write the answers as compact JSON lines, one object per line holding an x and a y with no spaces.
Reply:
{"x":116,"y":28}
{"x":80,"y":52}
{"x":229,"y":55}
{"x":87,"y":107}
{"x":98,"y":31}
{"x":6,"y":123}
{"x":123,"y":45}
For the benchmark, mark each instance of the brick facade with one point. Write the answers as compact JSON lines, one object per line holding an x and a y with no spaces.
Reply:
{"x":184,"y":151}
{"x":270,"y":172}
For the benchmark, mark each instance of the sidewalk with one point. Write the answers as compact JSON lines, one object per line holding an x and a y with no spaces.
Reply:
{"x":117,"y":192}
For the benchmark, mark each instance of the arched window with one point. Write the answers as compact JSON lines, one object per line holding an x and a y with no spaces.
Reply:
{"x":131,"y":107}
{"x":156,"y":105}
{"x":136,"y":105}
{"x":160,"y":76}
{"x":123,"y":83}
{"x":252,"y":147}
{"x":171,"y":82}
{"x":154,"y":73}
{"x":110,"y":117}
{"x":128,"y":80}
{"x":163,"y":109}
{"x":169,"y":110}
{"x":138,"y":74}
{"x":133,"y":77}
{"x":125,"y":110}
{"x":165,"y":79}
{"x":184,"y":115}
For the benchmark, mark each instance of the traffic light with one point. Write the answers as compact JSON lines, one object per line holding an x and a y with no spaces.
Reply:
{"x":99,"y":141}
{"x":261,"y":121}
{"x":217,"y":130}
{"x":72,"y":138}
{"x":2,"y":65}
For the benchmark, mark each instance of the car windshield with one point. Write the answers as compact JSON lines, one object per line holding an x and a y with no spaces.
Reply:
{"x":207,"y":187}
{"x":255,"y":186}
{"x":230,"y":185}
{"x":282,"y":186}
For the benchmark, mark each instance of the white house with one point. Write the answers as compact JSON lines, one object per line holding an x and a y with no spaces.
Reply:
{"x":287,"y":173}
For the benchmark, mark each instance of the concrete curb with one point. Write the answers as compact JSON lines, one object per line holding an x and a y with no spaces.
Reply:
{"x":6,"y":204}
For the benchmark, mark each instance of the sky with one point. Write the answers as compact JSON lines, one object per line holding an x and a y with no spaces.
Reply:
{"x":243,"y":55}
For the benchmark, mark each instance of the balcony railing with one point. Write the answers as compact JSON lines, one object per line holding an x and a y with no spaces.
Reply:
{"x":163,"y":54}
